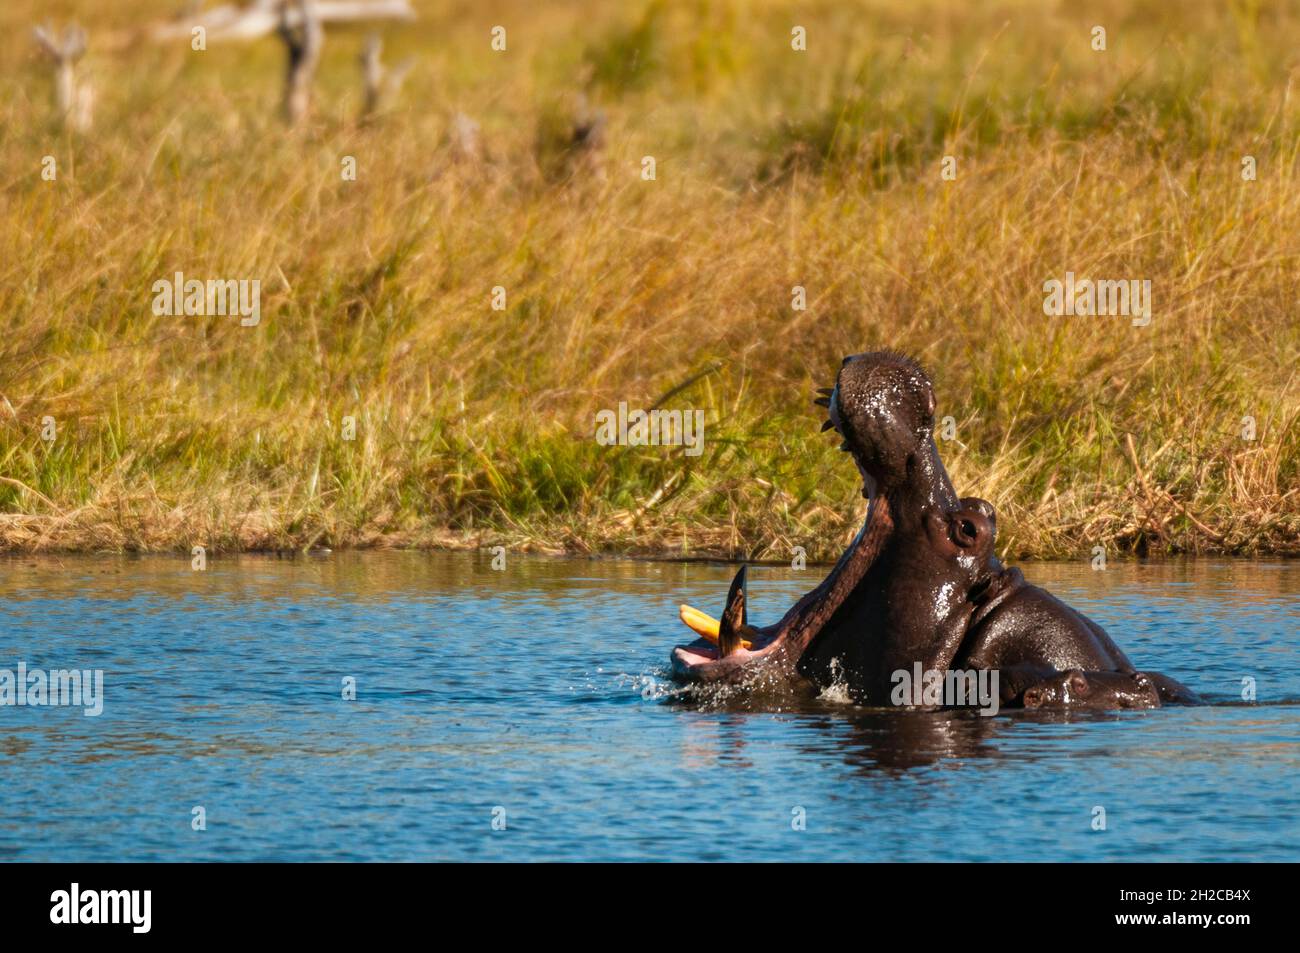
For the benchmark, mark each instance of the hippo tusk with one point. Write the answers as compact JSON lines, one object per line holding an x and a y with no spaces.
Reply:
{"x":704,"y":625}
{"x":701,"y":623}
{"x":735,"y":618}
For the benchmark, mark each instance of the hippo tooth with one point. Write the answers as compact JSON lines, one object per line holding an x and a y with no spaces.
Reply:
{"x":822,"y":401}
{"x":827,"y":425}
{"x":735,"y":616}
{"x":704,"y":625}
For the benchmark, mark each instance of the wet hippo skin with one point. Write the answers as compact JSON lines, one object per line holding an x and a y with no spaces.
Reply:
{"x":920,"y":583}
{"x":1078,"y":689}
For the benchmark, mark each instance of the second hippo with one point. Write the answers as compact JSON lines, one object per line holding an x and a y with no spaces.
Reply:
{"x":1077,"y":689}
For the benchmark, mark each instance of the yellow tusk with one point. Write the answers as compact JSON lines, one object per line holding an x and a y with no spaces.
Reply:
{"x":700,"y":622}
{"x":704,"y":625}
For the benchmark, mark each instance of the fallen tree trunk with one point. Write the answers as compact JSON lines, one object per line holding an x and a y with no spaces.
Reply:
{"x":260,"y":18}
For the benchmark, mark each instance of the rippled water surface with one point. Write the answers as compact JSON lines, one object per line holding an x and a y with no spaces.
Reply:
{"x":536,"y":695}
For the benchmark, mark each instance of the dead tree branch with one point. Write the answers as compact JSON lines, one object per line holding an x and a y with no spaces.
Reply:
{"x":381,"y":83}
{"x":259,"y":18}
{"x":73,"y":97}
{"x":303,"y":37}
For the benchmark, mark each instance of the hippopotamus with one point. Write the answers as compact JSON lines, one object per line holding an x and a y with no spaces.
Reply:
{"x":920,"y":583}
{"x":1078,"y":689}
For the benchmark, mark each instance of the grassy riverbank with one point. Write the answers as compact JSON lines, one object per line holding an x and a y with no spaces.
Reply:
{"x":774,"y":168}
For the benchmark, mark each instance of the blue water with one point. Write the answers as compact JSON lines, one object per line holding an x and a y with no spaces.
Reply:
{"x":537,"y":695}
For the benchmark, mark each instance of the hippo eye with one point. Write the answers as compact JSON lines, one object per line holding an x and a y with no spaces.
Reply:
{"x":929,"y":404}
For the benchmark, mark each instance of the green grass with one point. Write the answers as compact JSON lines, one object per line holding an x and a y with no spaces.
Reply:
{"x":774,"y":168}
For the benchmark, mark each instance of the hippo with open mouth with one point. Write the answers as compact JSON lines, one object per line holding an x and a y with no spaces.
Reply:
{"x":919,"y":584}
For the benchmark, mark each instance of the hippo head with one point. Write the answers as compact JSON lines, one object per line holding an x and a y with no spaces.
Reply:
{"x":1101,"y":690}
{"x":1057,"y":691}
{"x":882,"y":405}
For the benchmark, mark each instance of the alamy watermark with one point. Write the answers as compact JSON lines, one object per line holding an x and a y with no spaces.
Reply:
{"x":949,"y":688}
{"x":76,"y":905}
{"x":221,"y":296}
{"x":1129,"y":297}
{"x":654,"y":428}
{"x":58,"y":687}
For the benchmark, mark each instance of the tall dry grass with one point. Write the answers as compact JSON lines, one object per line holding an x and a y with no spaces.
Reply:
{"x":774,"y":169}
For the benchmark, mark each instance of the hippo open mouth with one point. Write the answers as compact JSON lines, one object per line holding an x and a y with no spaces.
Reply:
{"x":920,"y":584}
{"x":897,"y":393}
{"x":733,"y":650}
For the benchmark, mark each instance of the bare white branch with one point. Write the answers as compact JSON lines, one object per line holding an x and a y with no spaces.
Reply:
{"x":303,"y":36}
{"x":260,"y":18}
{"x":73,"y":97}
{"x":381,"y":83}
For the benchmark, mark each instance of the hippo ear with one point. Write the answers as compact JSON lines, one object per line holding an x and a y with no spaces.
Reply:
{"x":1033,"y":698}
{"x":735,"y":618}
{"x":1078,"y":682}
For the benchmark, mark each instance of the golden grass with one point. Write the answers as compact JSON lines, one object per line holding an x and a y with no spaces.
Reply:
{"x":774,"y":169}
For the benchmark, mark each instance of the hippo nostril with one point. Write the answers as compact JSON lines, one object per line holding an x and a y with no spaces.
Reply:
{"x":968,"y":529}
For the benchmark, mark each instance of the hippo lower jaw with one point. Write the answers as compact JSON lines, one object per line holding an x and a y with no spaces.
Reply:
{"x":775,"y":650}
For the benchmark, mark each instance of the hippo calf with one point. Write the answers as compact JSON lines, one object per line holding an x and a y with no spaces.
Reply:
{"x":1078,"y":689}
